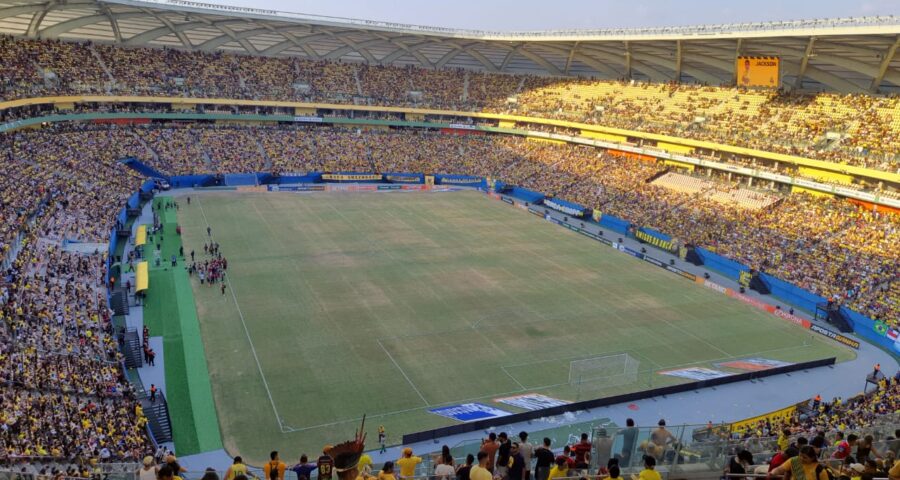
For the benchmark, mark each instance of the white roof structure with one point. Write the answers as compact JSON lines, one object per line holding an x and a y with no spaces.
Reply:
{"x":843,"y":54}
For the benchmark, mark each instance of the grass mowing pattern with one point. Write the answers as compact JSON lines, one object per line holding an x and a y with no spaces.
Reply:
{"x":170,"y":311}
{"x":392,"y":303}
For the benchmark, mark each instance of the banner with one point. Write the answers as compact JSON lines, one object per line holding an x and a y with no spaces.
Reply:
{"x":458,"y":180}
{"x":309,"y":119}
{"x":565,"y":207}
{"x":532,"y":401}
{"x":696,"y":373}
{"x":351,"y":177}
{"x":678,"y":271}
{"x":753,"y":364}
{"x":835,"y":336}
{"x":469,"y":412}
{"x":653,"y":261}
{"x":596,"y":215}
{"x":142,"y":276}
{"x":776,"y":416}
{"x":757,"y":72}
{"x":744,"y":279}
{"x":296,"y":188}
{"x":656,"y":242}
{"x":140,"y":236}
{"x":403,"y":178}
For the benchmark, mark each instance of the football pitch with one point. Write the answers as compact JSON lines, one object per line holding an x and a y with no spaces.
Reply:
{"x":393,"y":304}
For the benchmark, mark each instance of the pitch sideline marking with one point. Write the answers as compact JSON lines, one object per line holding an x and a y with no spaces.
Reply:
{"x":411,"y":384}
{"x":513,"y":378}
{"x":249,"y":340}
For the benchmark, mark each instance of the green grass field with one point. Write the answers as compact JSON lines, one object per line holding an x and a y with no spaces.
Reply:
{"x":389,"y":304}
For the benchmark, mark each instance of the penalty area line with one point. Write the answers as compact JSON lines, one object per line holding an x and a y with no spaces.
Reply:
{"x":411,"y":384}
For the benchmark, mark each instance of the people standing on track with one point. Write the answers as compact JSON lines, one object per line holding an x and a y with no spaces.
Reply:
{"x":304,"y":469}
{"x":274,"y":469}
{"x":325,"y":464}
{"x":236,"y":468}
{"x":408,"y":463}
{"x":382,"y":436}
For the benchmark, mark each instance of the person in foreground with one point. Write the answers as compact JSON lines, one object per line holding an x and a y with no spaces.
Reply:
{"x":802,"y":467}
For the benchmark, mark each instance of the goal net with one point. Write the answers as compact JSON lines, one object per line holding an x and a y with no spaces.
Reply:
{"x":604,"y":371}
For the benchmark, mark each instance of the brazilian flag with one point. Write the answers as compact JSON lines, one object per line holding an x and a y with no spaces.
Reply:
{"x":880,"y":327}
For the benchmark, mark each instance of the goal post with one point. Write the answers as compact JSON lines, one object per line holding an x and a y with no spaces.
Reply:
{"x":603,"y":371}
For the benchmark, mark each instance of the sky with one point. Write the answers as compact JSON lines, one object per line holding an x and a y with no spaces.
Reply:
{"x":507,"y":15}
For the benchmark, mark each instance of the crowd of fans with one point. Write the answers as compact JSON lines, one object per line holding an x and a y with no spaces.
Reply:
{"x":828,"y":246}
{"x":865,"y":129}
{"x":67,"y":395}
{"x":64,"y":394}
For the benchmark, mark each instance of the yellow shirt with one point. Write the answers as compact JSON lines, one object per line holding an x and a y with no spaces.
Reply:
{"x":408,"y":465}
{"x":557,"y":472}
{"x":235,"y":470}
{"x":895,"y":470}
{"x":268,"y":467}
{"x":783,"y":442}
{"x":386,"y":476}
{"x":479,"y":473}
{"x":648,"y":474}
{"x":809,"y":470}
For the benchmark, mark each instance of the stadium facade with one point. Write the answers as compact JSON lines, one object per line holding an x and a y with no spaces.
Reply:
{"x":843,"y":54}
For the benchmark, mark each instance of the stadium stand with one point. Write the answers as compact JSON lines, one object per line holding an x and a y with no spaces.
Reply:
{"x":68,"y":397}
{"x":850,"y":129}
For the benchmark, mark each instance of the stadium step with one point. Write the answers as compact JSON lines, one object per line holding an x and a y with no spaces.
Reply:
{"x":134,"y":351}
{"x":157,"y":414}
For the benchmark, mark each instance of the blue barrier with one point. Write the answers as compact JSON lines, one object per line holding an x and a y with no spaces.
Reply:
{"x":113,"y":243}
{"x":791,"y":293}
{"x":866,"y":327}
{"x":123,"y":216}
{"x":148,"y":186}
{"x":614,"y":223}
{"x":263,"y":178}
{"x":134,"y":201}
{"x":401,"y":177}
{"x":314,"y":177}
{"x":187,"y":181}
{"x":725,"y":266}
{"x":143,"y":168}
{"x":240,"y":179}
{"x":525,"y":195}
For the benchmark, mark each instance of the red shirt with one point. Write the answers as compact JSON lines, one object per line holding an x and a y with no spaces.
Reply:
{"x":581,"y":449}
{"x":777,"y":460}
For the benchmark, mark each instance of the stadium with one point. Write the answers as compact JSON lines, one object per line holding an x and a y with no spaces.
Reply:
{"x":230,"y":231}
